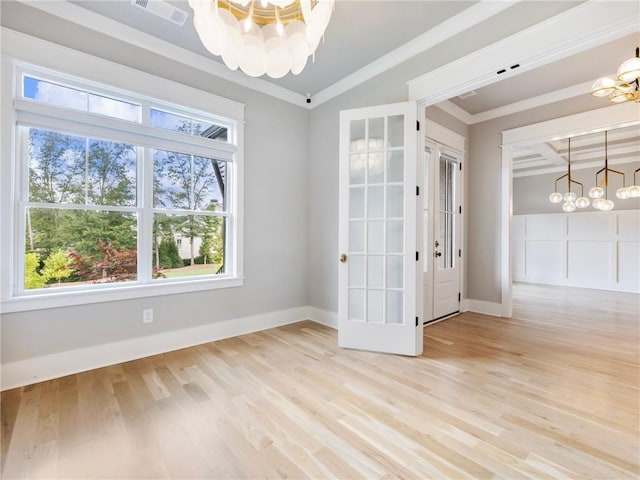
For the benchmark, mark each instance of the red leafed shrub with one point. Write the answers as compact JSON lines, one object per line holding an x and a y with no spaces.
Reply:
{"x":114,"y":266}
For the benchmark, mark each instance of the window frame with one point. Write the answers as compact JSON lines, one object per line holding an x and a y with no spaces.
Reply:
{"x":30,"y":113}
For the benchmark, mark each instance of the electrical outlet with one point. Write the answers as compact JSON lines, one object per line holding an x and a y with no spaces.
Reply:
{"x":147,"y":315}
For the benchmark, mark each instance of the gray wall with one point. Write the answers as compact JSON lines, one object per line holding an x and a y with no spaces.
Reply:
{"x":275,"y":225}
{"x":531,"y":194}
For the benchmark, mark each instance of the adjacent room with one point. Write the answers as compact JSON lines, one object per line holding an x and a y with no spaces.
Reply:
{"x":319,"y":239}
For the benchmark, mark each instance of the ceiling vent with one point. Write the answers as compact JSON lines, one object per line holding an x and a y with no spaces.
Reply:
{"x":464,"y":96}
{"x":162,"y":9}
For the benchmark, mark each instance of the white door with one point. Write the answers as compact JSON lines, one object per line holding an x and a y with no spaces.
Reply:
{"x":378,"y":279}
{"x":446,"y":232}
{"x":446,"y":292}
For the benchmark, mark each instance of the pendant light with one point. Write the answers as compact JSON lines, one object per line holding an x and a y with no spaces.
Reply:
{"x":600,"y":193}
{"x":571,"y":200}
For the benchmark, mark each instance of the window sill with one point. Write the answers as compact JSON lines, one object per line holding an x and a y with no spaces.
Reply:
{"x":49,"y":299}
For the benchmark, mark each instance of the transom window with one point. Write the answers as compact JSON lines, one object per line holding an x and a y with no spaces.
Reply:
{"x":119,"y":190}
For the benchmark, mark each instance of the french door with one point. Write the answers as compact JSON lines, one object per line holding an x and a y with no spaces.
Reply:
{"x":442,"y":232}
{"x":378,"y":280}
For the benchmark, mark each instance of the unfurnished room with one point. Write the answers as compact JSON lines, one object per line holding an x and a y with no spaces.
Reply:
{"x":318,"y":239}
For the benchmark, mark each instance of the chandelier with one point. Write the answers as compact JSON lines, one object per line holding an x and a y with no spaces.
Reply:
{"x":634,"y":190}
{"x":599,"y":193}
{"x":262,"y":36}
{"x":625,"y":87}
{"x":571,"y":199}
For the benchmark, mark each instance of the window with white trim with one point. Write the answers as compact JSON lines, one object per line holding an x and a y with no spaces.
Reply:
{"x":116,"y":190}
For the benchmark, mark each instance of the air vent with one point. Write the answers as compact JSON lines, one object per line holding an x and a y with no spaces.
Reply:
{"x":162,"y":9}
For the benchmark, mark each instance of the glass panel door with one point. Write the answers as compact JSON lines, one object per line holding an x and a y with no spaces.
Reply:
{"x":377,"y":229}
{"x":376,"y":223}
{"x":447,"y":210}
{"x":446,"y":274}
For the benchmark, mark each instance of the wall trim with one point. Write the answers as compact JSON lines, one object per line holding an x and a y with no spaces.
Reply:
{"x":563,"y":233}
{"x":486,"y":308}
{"x":47,"y":367}
{"x":516,"y":107}
{"x":323,"y":317}
{"x":438,"y":34}
{"x":94,"y":21}
{"x":604,"y":118}
{"x":575,"y":30}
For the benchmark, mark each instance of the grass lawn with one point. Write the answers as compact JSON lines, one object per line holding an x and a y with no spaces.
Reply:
{"x":191,"y":271}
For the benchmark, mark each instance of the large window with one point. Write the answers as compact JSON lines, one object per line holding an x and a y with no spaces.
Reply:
{"x":116,"y":190}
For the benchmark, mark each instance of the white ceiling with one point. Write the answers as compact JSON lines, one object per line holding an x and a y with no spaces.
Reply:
{"x":359,"y":33}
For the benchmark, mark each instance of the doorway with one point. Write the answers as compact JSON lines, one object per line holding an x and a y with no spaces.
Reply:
{"x":442,"y":209}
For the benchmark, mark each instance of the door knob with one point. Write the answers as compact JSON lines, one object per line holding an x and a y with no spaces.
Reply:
{"x":343,"y":258}
{"x":438,"y":254}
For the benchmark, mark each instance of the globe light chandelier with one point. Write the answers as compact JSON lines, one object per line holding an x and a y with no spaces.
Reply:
{"x":272,"y":37}
{"x":625,"y":87}
{"x":571,"y":199}
{"x":634,"y":190}
{"x":599,"y":193}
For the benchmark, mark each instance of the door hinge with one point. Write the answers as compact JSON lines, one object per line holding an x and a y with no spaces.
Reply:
{"x":460,"y":209}
{"x":417,"y":191}
{"x":459,"y":252}
{"x":460,"y":166}
{"x":417,"y":256}
{"x":459,"y":297}
{"x":418,"y":125}
{"x":416,"y":321}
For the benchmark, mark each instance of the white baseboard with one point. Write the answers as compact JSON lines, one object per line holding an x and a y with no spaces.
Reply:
{"x":480,"y":306}
{"x":609,"y":286}
{"x":47,"y":367}
{"x":323,"y":317}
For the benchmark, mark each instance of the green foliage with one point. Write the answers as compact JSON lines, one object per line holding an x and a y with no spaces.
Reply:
{"x":212,"y":240}
{"x":186,"y":182}
{"x":79,"y":170}
{"x":56,"y":167}
{"x":168,"y":253}
{"x":57,"y":266}
{"x":32,"y":279}
{"x":69,"y":169}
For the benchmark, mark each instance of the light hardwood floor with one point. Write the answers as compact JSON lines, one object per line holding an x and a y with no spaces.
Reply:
{"x":551,"y":393}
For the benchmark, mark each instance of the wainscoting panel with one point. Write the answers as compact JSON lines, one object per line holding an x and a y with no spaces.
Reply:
{"x":588,"y":226}
{"x":545,"y":227}
{"x":581,"y":249}
{"x":629,"y":264}
{"x":549,"y":263}
{"x":589,"y":264}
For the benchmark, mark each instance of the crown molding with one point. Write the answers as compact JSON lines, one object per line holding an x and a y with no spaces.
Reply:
{"x":609,"y":117}
{"x":455,"y":111}
{"x":516,"y":107}
{"x":533,"y":102}
{"x":451,"y":27}
{"x":94,"y":21}
{"x":466,"y":19}
{"x":575,"y":30}
{"x":601,"y":32}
